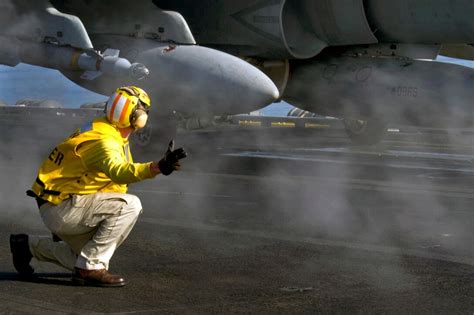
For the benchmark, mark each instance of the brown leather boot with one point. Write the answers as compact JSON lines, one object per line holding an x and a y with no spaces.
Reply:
{"x":98,"y":278}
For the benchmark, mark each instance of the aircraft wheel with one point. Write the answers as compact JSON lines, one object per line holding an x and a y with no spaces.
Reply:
{"x":365,"y":132}
{"x":152,"y":141}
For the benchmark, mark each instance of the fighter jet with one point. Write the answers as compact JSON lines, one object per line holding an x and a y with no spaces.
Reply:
{"x":366,"y":61}
{"x":369,"y":62}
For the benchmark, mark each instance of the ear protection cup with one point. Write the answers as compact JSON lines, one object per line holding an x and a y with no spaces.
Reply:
{"x":139,"y":118}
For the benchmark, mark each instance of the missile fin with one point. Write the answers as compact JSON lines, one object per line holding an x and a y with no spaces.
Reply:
{"x":109,"y":52}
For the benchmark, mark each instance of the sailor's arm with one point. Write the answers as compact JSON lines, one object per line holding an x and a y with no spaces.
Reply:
{"x":106,"y":156}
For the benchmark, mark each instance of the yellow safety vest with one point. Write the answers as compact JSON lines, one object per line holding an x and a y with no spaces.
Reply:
{"x":64,"y":172}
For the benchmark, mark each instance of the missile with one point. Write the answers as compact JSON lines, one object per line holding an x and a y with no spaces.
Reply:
{"x":65,"y":58}
{"x":110,"y":63}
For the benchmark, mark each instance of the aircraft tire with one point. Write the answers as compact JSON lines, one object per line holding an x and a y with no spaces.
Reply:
{"x":152,"y":141}
{"x":365,"y":132}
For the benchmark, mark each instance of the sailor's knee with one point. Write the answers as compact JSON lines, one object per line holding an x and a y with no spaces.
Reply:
{"x":134,"y":204}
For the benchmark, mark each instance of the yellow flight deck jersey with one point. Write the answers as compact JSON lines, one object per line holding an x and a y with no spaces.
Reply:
{"x":94,"y":158}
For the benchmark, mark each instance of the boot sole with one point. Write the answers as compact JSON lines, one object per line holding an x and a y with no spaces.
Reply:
{"x":83,"y":282}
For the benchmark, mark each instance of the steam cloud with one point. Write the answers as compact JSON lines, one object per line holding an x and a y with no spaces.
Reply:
{"x":287,"y":201}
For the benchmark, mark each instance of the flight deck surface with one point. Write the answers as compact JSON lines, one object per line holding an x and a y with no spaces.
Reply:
{"x":266,"y":221}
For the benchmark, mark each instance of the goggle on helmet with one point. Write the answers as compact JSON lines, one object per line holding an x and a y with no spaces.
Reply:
{"x":128,"y":106}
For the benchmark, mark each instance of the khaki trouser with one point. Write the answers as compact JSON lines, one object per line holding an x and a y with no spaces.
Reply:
{"x":91,"y":227}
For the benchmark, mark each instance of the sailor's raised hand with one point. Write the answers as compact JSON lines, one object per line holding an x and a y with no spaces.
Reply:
{"x":170,"y":161}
